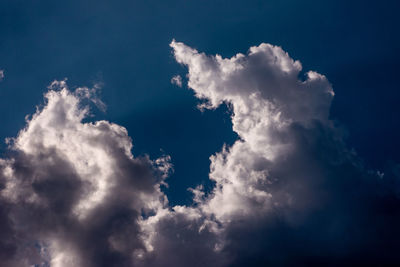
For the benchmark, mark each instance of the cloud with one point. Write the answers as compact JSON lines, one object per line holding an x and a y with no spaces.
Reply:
{"x":288,"y":191}
{"x":267,"y":101}
{"x":74,"y":189}
{"x":177,"y":80}
{"x":1,"y":75}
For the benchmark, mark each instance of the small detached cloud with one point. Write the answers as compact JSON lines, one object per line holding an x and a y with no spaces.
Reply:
{"x":1,"y":75}
{"x":177,"y":80}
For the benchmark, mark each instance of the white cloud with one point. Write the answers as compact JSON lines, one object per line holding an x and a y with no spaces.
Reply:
{"x":1,"y":75}
{"x":266,"y":97}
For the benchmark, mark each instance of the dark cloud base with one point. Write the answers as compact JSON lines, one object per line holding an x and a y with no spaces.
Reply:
{"x":346,"y":216}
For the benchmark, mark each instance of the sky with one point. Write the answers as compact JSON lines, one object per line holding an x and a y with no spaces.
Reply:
{"x":219,"y":133}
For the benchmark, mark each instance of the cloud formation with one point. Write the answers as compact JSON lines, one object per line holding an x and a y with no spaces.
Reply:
{"x":72,"y":191}
{"x":1,"y":75}
{"x":288,"y":191}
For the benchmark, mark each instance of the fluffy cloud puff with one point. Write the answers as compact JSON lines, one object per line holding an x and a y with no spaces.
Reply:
{"x":72,"y":192}
{"x":287,"y":192}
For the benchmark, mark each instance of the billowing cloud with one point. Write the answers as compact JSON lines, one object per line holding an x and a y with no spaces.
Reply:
{"x":288,"y":191}
{"x":74,"y":190}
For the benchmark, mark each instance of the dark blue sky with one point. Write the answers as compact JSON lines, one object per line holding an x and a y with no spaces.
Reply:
{"x":125,"y":45}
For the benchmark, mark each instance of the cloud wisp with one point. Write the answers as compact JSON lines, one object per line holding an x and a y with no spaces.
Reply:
{"x":177,"y":80}
{"x":288,"y":191}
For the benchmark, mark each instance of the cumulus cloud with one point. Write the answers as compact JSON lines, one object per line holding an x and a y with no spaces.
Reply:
{"x":74,"y":190}
{"x":288,"y":191}
{"x":267,"y":100}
